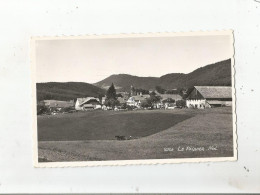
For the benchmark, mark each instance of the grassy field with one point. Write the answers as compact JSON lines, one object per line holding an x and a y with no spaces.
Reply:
{"x":91,"y":135}
{"x":104,"y":125}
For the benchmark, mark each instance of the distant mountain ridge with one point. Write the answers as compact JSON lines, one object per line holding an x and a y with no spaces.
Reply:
{"x":218,"y":74}
{"x":123,"y":82}
{"x":66,"y":91}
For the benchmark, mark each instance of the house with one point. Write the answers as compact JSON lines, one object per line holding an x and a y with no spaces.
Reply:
{"x":175,"y":97}
{"x":163,"y":103}
{"x":103,"y":100}
{"x":209,"y":96}
{"x":169,"y":100}
{"x":121,"y":100}
{"x":136,"y":100}
{"x":58,"y":104}
{"x":87,"y":103}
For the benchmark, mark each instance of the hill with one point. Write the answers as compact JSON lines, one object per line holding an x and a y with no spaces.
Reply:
{"x":218,"y":74}
{"x":123,"y":82}
{"x":66,"y":91}
{"x":214,"y":74}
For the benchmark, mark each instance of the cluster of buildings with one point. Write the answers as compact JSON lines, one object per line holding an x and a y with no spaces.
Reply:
{"x":200,"y":97}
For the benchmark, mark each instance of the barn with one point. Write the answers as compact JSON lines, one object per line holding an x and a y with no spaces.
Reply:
{"x":87,"y":103}
{"x":209,"y":96}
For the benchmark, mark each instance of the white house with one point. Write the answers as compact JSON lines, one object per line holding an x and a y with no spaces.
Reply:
{"x":103,"y":100}
{"x":209,"y":96}
{"x":136,"y":100}
{"x":87,"y":103}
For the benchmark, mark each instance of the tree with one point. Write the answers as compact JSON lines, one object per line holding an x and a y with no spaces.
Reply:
{"x":111,"y":97}
{"x":160,"y":89}
{"x":112,"y":103}
{"x":111,"y":92}
{"x":181,"y":103}
{"x":146,"y":104}
{"x":119,"y":95}
{"x":42,"y":109}
{"x":124,"y":105}
{"x":169,"y":100}
{"x":154,"y":98}
{"x":143,"y":91}
{"x":152,"y":93}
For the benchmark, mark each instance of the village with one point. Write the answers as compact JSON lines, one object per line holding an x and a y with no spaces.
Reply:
{"x":198,"y":97}
{"x":135,"y":103}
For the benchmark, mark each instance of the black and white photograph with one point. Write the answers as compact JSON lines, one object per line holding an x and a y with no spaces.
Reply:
{"x":134,"y":99}
{"x":140,"y":97}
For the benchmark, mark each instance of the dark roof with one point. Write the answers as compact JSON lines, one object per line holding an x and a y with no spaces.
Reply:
{"x":141,"y":97}
{"x":215,"y":91}
{"x":173,"y":96}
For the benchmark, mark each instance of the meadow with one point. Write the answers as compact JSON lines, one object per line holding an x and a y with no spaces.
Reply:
{"x":159,"y":134}
{"x":104,"y":125}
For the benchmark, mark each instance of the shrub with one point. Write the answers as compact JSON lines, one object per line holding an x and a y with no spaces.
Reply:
{"x":181,"y":103}
{"x":169,"y":100}
{"x":42,"y":109}
{"x":123,"y":106}
{"x":146,"y":104}
{"x":112,"y":102}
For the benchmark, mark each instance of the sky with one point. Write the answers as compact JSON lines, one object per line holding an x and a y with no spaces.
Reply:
{"x":92,"y":60}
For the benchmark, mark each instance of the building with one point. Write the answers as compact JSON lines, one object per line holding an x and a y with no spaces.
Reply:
{"x":121,"y":100}
{"x":169,"y":100}
{"x":103,"y":100}
{"x":163,"y":103}
{"x":137,"y":100}
{"x":209,"y":96}
{"x":88,"y":103}
{"x":175,"y":97}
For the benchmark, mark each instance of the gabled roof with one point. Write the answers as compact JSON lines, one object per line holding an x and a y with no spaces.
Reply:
{"x":86,"y":100}
{"x":141,"y":97}
{"x":215,"y":91}
{"x":173,"y":96}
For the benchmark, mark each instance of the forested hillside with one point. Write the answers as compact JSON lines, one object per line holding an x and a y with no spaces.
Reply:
{"x":218,"y":74}
{"x":66,"y":91}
